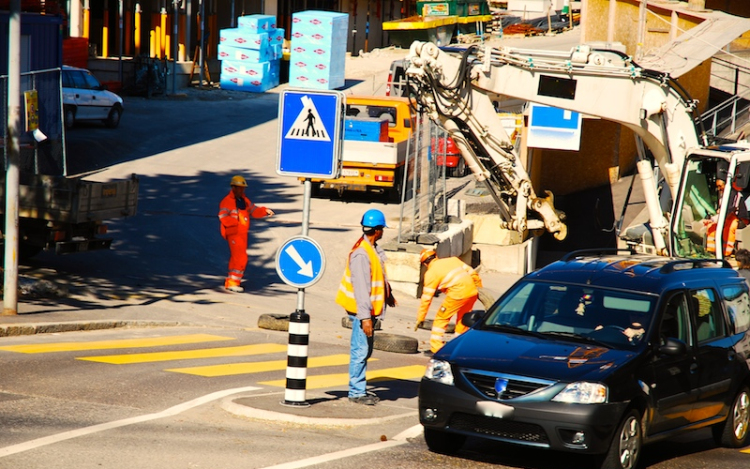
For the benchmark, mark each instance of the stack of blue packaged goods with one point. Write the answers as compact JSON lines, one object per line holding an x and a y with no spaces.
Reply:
{"x":318,"y":49}
{"x":250,"y":54}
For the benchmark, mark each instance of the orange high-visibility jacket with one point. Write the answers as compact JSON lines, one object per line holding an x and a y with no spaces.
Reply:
{"x":235,"y":221}
{"x":451,"y":276}
{"x":729,"y":235}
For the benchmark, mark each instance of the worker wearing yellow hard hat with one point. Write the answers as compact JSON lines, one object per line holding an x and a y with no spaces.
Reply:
{"x":235,"y":211}
{"x":460,"y":284}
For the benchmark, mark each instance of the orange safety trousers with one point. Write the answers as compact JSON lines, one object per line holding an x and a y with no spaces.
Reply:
{"x":237,"y":260}
{"x":447,"y":310}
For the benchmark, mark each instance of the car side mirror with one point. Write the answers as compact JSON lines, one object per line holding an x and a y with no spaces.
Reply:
{"x":470,"y":319}
{"x":673,"y":347}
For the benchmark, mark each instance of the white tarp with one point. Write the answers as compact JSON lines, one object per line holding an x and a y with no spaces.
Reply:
{"x":697,"y":44}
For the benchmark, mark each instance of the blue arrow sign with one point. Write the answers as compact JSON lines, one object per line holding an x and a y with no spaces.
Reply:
{"x":310,"y":133}
{"x":300,"y":262}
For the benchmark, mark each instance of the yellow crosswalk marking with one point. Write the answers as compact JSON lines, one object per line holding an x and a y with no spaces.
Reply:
{"x":255,"y":349}
{"x":260,"y":367}
{"x":342,"y":379}
{"x":114,"y":344}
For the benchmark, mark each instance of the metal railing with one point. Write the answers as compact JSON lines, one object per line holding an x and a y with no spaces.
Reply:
{"x":726,"y":117}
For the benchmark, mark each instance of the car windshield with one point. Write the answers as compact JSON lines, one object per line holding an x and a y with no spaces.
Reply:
{"x":613,"y":318}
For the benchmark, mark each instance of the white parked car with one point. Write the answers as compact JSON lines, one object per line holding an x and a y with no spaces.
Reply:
{"x":85,"y":99}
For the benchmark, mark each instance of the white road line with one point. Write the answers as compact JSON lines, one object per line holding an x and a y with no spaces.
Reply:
{"x":52,"y":439}
{"x":397,"y":440}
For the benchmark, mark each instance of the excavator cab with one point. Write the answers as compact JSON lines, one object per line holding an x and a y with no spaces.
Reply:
{"x":712,"y":214}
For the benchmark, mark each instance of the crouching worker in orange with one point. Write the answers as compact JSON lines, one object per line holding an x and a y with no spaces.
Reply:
{"x":459,"y":282}
{"x":235,"y":211}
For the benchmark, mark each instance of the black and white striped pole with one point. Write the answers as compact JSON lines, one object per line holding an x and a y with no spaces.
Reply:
{"x":300,"y":263}
{"x":296,"y":364}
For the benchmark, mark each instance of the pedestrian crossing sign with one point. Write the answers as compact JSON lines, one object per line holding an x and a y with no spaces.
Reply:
{"x":310,"y":129}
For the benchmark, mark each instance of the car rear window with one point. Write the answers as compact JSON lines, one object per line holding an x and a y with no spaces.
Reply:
{"x":737,"y":302}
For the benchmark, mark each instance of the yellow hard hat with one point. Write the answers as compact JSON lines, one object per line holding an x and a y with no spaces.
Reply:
{"x":238,"y":181}
{"x":427,"y":255}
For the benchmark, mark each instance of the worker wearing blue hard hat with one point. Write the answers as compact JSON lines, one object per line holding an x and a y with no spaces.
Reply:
{"x":364,"y":293}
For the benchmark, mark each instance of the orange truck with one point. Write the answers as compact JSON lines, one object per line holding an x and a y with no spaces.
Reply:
{"x":374,"y":163}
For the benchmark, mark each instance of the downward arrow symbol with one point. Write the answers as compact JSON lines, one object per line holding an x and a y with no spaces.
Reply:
{"x":304,"y":268}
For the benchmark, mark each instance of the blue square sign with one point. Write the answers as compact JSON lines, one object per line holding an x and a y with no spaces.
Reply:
{"x":310,"y":133}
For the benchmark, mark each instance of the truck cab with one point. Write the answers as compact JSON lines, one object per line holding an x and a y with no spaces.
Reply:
{"x":373,"y":160}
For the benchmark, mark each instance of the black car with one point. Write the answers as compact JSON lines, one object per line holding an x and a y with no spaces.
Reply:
{"x":598,"y":354}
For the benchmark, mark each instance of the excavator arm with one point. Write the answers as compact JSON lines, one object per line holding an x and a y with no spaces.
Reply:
{"x":458,"y":91}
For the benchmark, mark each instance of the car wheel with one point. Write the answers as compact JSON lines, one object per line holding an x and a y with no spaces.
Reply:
{"x":69,"y":117}
{"x":733,"y":432}
{"x":443,"y":442}
{"x":113,"y":119}
{"x":627,"y":443}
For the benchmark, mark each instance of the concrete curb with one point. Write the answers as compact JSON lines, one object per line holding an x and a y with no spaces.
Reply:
{"x":241,"y":410}
{"x":11,"y":330}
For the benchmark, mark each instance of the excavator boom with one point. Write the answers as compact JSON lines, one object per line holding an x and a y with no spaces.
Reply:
{"x":458,"y":91}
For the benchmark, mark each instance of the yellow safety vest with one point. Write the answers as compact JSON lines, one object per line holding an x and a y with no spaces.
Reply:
{"x":345,"y":295}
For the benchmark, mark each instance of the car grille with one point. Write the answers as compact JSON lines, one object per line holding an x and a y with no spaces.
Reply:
{"x":517,"y":385}
{"x":499,"y":428}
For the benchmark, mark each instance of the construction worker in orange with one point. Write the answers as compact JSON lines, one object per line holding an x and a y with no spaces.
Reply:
{"x":459,"y":282}
{"x":235,"y":211}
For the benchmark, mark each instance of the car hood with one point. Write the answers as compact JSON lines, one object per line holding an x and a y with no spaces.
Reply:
{"x":552,"y":359}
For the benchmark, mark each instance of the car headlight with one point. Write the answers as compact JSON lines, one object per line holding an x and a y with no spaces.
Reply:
{"x":440,"y":371}
{"x":583,"y":393}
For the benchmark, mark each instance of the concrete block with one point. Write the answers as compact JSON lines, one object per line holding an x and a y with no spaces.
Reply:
{"x":403,"y":266}
{"x":516,"y":259}
{"x":407,"y":288}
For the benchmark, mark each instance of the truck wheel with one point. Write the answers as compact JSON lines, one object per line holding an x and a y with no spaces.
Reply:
{"x":395,"y":343}
{"x":274,"y":322}
{"x":733,"y":432}
{"x":443,"y":442}
{"x":485,"y":298}
{"x":460,"y":170}
{"x":427,"y":326}
{"x":69,"y":116}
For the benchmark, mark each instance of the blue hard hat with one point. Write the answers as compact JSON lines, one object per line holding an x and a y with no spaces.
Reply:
{"x":373,"y":218}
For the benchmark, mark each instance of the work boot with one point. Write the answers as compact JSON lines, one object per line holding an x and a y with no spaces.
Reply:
{"x":235,"y":288}
{"x":366,"y":400}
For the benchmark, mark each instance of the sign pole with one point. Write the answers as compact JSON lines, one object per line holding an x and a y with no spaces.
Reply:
{"x":309,"y":146}
{"x":295,"y":394}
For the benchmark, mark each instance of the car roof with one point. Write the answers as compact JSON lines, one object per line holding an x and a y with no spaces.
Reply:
{"x":71,"y":68}
{"x":638,"y":273}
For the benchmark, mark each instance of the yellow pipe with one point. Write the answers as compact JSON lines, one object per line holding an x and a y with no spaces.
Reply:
{"x":151,"y":50}
{"x":164,"y":35}
{"x":182,"y":26}
{"x":105,"y":34}
{"x":156,"y":39}
{"x":86,"y":20}
{"x":137,"y":30}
